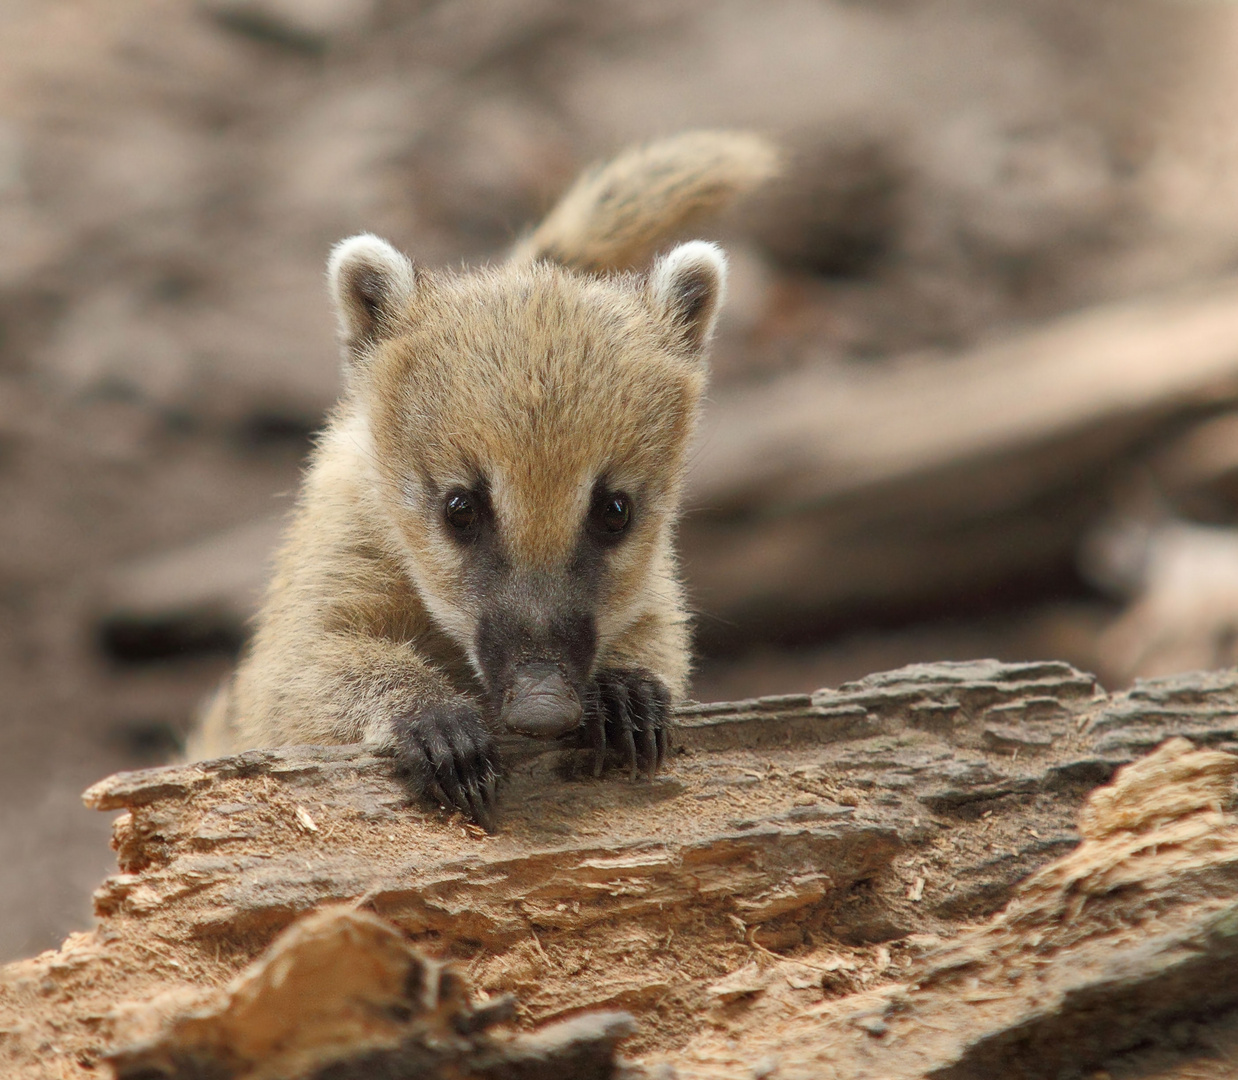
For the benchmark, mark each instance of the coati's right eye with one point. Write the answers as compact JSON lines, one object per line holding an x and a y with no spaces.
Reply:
{"x":463,"y":512}
{"x":610,"y":515}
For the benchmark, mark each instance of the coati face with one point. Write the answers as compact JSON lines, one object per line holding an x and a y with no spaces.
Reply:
{"x":528,"y":427}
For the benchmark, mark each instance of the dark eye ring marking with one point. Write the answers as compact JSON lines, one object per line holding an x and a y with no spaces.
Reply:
{"x":463,"y":511}
{"x":610,"y":516}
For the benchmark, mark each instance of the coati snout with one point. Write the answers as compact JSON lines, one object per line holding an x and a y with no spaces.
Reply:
{"x":537,"y":637}
{"x":539,"y":701}
{"x":536,"y":670}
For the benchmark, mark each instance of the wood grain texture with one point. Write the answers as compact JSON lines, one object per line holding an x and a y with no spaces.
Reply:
{"x":890,"y":872}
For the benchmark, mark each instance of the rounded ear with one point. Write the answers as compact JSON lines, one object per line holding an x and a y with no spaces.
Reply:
{"x":687,"y":287}
{"x":371,"y":284}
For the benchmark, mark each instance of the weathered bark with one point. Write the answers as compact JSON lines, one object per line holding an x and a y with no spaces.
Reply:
{"x":794,"y":887}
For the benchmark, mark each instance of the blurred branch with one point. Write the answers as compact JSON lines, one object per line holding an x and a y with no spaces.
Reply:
{"x":830,"y":489}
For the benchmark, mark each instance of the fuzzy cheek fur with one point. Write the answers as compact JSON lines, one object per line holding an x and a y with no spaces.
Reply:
{"x":437,"y":568}
{"x":628,"y":579}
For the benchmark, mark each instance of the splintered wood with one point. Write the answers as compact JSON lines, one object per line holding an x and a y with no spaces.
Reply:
{"x":881,"y":880}
{"x":344,"y":989}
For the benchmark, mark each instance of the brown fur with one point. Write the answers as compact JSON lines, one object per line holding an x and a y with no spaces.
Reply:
{"x":545,"y":382}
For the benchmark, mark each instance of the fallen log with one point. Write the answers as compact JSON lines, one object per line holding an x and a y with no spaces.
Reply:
{"x":1118,"y":956}
{"x":822,"y":434}
{"x":798,"y":867}
{"x":201,"y":595}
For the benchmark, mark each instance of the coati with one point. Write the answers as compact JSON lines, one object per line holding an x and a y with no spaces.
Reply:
{"x":484,"y":537}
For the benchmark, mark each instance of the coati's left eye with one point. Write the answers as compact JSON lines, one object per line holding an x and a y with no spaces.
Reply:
{"x":611,"y":513}
{"x":463,"y":511}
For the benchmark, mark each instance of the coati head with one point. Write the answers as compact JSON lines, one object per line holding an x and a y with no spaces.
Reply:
{"x":528,"y":428}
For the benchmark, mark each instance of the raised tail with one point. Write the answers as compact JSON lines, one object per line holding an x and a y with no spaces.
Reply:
{"x":619,"y":213}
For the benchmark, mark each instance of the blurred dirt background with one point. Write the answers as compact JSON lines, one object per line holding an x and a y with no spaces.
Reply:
{"x":898,"y":355}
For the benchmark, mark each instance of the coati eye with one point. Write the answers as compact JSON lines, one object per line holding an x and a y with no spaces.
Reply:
{"x":611,"y":513}
{"x":463,"y":511}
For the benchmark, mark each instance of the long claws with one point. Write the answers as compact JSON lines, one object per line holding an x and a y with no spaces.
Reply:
{"x":649,"y":748}
{"x":628,"y":713}
{"x":447,"y":753}
{"x":597,"y":735}
{"x":455,"y":794}
{"x":437,"y":794}
{"x":629,"y":748}
{"x":476,"y":805}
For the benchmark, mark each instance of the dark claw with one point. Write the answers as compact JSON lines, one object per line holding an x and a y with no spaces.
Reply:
{"x":485,"y":817}
{"x":649,"y":749}
{"x":622,"y":705}
{"x":455,"y":793}
{"x":476,"y":804}
{"x":629,"y":748}
{"x":628,"y":713}
{"x":447,"y":753}
{"x":597,"y":736}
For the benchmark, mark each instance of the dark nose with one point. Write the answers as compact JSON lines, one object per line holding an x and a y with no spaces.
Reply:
{"x":540,"y":702}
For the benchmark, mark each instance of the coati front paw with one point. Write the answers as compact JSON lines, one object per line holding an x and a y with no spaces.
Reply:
{"x":448,"y":753}
{"x":628,"y":711}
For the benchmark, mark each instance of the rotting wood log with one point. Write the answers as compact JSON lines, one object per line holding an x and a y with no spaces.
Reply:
{"x":815,"y":436}
{"x":1118,"y":956}
{"x":203,"y":593}
{"x":794,"y":885}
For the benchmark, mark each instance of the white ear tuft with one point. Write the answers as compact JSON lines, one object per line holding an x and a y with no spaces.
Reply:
{"x":688,"y":286}
{"x":371,"y":283}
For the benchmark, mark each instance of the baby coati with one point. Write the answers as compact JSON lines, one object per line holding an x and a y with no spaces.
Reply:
{"x":485,"y":534}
